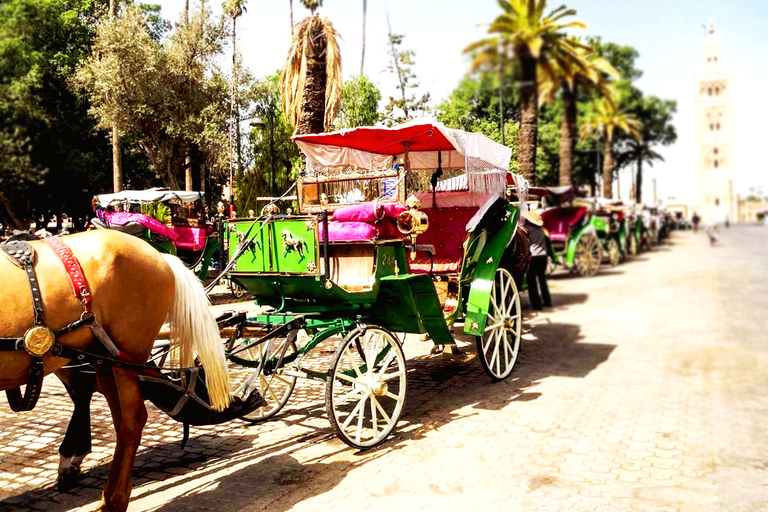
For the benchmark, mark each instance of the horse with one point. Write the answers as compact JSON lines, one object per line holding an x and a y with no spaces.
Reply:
{"x":132,"y":289}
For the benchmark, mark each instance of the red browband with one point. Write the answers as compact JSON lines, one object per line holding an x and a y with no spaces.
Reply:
{"x":73,"y":268}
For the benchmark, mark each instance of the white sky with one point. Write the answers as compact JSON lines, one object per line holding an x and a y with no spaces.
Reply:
{"x":665,"y":32}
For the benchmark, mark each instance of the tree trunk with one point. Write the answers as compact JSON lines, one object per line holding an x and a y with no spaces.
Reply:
{"x":639,"y":183}
{"x":186,"y":12}
{"x":188,"y":185}
{"x":238,"y":159}
{"x":567,"y":135}
{"x":362,"y":55}
{"x":291,"y":4}
{"x":312,"y":115}
{"x":117,"y":161}
{"x":529,"y":110}
{"x":608,"y":168}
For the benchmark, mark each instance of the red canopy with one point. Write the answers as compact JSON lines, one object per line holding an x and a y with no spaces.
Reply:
{"x":385,"y":141}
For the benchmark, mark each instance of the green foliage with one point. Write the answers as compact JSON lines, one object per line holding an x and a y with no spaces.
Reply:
{"x":270,"y":148}
{"x":51,"y":155}
{"x":405,"y":107}
{"x":167,"y":95}
{"x":158,"y":211}
{"x":359,"y":104}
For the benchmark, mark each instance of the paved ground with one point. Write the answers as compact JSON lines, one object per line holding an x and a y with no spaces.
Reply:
{"x":646,"y":388}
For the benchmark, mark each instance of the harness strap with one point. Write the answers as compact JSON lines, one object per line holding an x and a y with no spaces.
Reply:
{"x":73,"y":268}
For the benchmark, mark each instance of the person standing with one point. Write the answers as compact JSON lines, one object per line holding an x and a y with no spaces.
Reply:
{"x":537,"y":271}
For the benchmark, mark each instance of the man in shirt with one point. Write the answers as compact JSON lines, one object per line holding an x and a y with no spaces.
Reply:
{"x":537,"y":271}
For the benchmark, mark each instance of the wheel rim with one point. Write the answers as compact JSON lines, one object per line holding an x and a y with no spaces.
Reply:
{"x":613,"y":252}
{"x":499,"y":345}
{"x":366,"y":387}
{"x":275,"y":387}
{"x":587,"y":256}
{"x":632,"y":245}
{"x":551,"y":267}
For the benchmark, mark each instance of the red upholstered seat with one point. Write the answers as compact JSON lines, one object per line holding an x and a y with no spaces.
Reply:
{"x":559,"y":220}
{"x":189,"y":238}
{"x":447,"y":229}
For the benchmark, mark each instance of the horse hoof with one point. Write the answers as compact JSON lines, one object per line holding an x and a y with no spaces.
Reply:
{"x":67,"y":480}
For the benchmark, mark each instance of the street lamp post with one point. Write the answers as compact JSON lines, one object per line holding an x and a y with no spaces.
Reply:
{"x":270,"y":124}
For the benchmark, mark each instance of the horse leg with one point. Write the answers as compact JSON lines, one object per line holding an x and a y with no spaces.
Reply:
{"x":121,"y":388}
{"x":77,"y":441}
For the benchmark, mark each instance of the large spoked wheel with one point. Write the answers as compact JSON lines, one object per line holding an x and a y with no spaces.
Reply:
{"x":614,"y":253}
{"x":237,"y":291}
{"x":633,"y":245}
{"x":499,"y":345}
{"x":366,"y":386}
{"x":587,"y":257}
{"x":274,"y":386}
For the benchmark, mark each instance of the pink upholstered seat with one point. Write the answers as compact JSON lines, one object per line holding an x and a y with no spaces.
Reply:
{"x":559,"y":220}
{"x":189,"y":238}
{"x":447,"y":229}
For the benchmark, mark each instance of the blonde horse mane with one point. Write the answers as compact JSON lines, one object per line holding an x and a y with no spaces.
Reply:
{"x":194,"y":331}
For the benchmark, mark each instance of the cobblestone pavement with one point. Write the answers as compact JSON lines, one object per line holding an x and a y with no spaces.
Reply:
{"x":646,"y":388}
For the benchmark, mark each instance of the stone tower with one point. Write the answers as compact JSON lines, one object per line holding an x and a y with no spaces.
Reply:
{"x":714,"y":131}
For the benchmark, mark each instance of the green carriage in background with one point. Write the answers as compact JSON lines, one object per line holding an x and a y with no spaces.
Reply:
{"x":358,"y":267}
{"x":610,"y":223}
{"x":171,"y":221}
{"x":572,"y":230}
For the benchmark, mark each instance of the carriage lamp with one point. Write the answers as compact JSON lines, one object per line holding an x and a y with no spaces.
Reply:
{"x":413,"y":222}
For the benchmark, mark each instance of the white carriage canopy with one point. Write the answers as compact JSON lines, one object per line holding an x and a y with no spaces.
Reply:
{"x":148,"y":196}
{"x":425,"y":142}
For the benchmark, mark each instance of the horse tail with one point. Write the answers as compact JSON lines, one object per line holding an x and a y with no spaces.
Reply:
{"x":194,"y":326}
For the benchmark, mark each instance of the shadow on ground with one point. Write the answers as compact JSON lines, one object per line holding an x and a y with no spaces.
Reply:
{"x":271,"y":477}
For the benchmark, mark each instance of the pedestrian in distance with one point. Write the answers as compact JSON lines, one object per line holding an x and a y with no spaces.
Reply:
{"x":695,"y":221}
{"x":537,"y":271}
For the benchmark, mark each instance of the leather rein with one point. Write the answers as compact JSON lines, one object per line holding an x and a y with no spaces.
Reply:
{"x":40,"y":340}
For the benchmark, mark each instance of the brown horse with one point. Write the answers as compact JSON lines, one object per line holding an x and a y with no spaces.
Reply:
{"x":134,"y":289}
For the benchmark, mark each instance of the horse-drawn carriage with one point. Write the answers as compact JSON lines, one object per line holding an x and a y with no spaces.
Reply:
{"x":358,"y":266}
{"x":171,"y":221}
{"x":572,"y":230}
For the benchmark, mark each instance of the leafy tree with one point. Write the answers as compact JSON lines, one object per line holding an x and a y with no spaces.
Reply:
{"x":273,"y":156}
{"x":656,"y":117}
{"x":528,"y":32}
{"x":312,"y":81}
{"x":606,"y":119}
{"x":407,"y":104}
{"x":167,"y":95}
{"x":233,"y":9}
{"x":51,"y":156}
{"x":573,"y":68}
{"x":359,"y":104}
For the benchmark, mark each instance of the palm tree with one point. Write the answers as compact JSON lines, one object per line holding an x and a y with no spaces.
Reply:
{"x":234,"y":9}
{"x":290,"y":2}
{"x":311,"y":83}
{"x":571,"y":67}
{"x":605,"y":119}
{"x":638,"y":151}
{"x":525,"y":29}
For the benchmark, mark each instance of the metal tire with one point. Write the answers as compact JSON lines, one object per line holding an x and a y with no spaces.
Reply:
{"x":499,"y":346}
{"x":551,"y":266}
{"x":632,"y":243}
{"x":366,"y":387}
{"x":588,"y":256}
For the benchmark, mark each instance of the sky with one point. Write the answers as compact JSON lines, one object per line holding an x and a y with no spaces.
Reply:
{"x":666,"y":33}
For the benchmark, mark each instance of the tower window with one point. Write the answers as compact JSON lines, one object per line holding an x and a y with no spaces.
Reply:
{"x":709,"y":91}
{"x":715,"y":164}
{"x":711,"y":127}
{"x":717,"y":126}
{"x":709,"y":59}
{"x":717,"y":90}
{"x":715,"y":59}
{"x":715,"y":151}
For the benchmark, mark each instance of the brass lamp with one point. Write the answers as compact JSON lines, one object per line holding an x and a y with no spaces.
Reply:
{"x":412,"y":222}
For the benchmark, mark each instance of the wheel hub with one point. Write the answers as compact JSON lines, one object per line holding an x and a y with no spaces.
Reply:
{"x":380,"y":389}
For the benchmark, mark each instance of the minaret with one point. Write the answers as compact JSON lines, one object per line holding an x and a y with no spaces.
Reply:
{"x":714,"y":130}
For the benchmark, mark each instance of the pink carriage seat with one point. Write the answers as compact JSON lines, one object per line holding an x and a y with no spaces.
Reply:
{"x":359,"y":223}
{"x":446,"y":232}
{"x":559,"y":220}
{"x":152,"y":224}
{"x":189,"y":238}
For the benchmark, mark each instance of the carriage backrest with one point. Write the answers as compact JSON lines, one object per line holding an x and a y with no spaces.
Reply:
{"x":447,"y":230}
{"x":559,"y":220}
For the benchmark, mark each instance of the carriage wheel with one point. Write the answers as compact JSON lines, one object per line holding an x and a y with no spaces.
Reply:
{"x":499,"y":345}
{"x":614,"y":253}
{"x":237,"y":290}
{"x":587,"y":257}
{"x":551,"y":266}
{"x":274,"y":386}
{"x":366,"y":385}
{"x":632,"y":245}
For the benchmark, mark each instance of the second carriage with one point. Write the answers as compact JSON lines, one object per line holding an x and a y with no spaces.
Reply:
{"x":360,"y":268}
